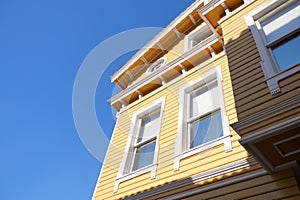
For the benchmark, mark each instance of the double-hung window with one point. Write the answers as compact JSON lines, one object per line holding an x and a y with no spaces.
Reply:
{"x":141,"y":152}
{"x":276,"y":30}
{"x":202,"y":123}
{"x":144,"y":145}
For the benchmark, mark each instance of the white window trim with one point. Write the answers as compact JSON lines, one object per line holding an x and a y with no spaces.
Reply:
{"x":188,"y":39}
{"x":268,"y":63}
{"x":128,"y":156}
{"x":181,"y":151}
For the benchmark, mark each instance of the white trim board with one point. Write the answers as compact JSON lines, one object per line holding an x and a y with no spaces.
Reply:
{"x":240,"y":164}
{"x":157,"y":38}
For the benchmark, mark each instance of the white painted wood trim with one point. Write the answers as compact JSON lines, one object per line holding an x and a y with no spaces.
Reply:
{"x":128,"y":155}
{"x":157,"y":38}
{"x":181,"y":150}
{"x":269,"y":66}
{"x":240,"y":164}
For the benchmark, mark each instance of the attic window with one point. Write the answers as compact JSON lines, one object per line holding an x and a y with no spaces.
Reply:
{"x":156,"y":65}
{"x":197,"y":36}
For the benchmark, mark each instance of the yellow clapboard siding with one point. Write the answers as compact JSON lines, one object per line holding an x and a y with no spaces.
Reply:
{"x":137,"y":181}
{"x":169,"y":156}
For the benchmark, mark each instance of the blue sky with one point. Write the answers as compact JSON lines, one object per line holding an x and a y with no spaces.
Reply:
{"x":42,"y":45}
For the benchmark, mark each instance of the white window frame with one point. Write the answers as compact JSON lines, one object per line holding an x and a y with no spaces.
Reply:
{"x":181,"y":146}
{"x":125,"y":170}
{"x":188,"y":40}
{"x":270,"y":68}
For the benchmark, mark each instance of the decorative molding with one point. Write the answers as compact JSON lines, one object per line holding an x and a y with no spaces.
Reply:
{"x":159,"y":72}
{"x":210,"y":6}
{"x":146,"y":62}
{"x":267,"y":113}
{"x":201,"y":66}
{"x":178,"y":34}
{"x":192,"y":19}
{"x":240,"y":164}
{"x":162,"y":48}
{"x":232,"y":13}
{"x":157,"y":38}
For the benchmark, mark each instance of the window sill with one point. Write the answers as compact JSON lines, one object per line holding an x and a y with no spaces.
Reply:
{"x":273,"y":80}
{"x":150,"y":168}
{"x":226,"y":140}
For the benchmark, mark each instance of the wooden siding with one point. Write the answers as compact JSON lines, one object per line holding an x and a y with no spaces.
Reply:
{"x":245,"y":93}
{"x":251,"y":92}
{"x":280,"y":185}
{"x":189,"y":166}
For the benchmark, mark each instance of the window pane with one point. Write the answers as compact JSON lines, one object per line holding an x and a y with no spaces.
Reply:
{"x":287,"y":52}
{"x":206,"y":129}
{"x":204,"y":100}
{"x":282,"y":23}
{"x":144,"y":155}
{"x":150,"y":126}
{"x":200,"y":36}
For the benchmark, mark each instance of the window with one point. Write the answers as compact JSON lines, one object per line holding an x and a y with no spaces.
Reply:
{"x":156,"y":65}
{"x":276,"y":30}
{"x":198,"y":37}
{"x":202,"y":123}
{"x":145,"y":143}
{"x":141,"y":151}
{"x":203,"y":119}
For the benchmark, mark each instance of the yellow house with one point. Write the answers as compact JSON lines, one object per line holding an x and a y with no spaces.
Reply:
{"x":211,"y":110}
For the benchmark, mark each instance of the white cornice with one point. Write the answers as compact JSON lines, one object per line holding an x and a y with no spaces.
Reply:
{"x":162,"y":70}
{"x":157,"y":38}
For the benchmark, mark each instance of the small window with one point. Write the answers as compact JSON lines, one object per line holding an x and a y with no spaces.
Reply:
{"x":156,"y":65}
{"x":144,"y":146}
{"x":276,"y":31}
{"x":141,"y":151}
{"x":203,"y":123}
{"x":197,"y":37}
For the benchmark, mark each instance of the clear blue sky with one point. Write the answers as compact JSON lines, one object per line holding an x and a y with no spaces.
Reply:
{"x":42,"y":45}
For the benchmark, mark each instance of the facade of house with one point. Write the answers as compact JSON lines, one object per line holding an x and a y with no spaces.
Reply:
{"x":211,"y":108}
